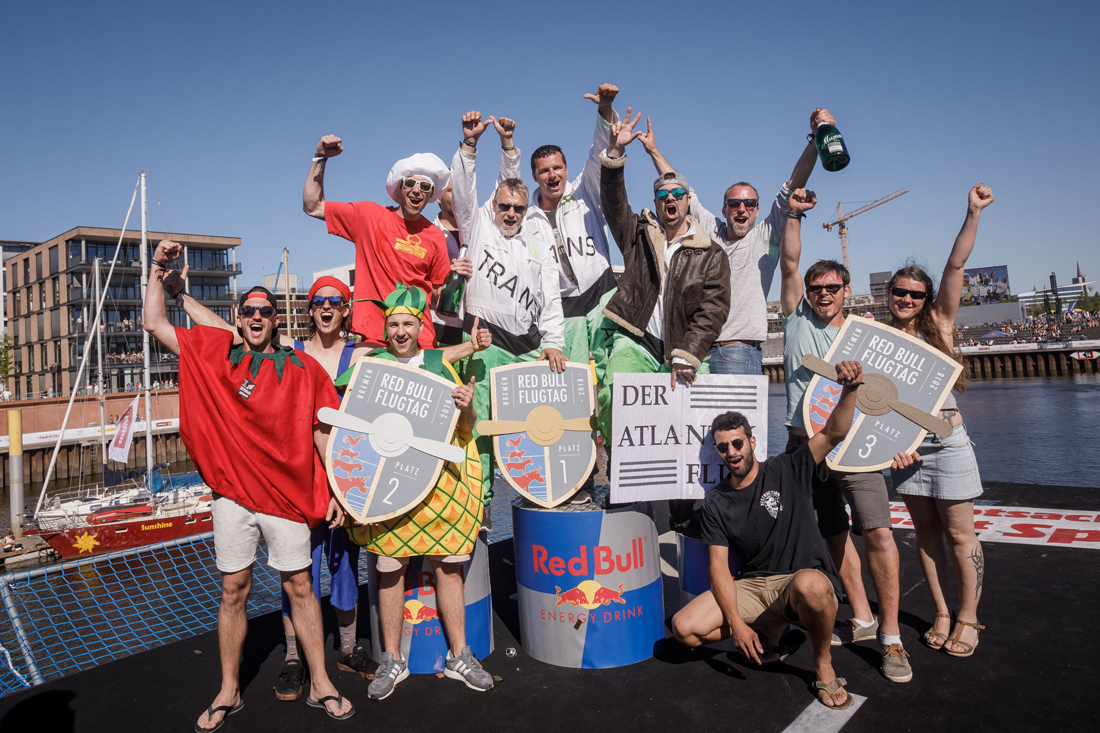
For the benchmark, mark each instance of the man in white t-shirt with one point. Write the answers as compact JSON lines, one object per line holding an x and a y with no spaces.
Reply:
{"x":753,"y":251}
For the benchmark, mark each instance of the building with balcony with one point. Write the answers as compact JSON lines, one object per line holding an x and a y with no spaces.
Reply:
{"x":50,"y":303}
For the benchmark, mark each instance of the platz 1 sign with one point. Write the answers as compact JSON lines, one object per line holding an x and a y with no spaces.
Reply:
{"x":661,"y":446}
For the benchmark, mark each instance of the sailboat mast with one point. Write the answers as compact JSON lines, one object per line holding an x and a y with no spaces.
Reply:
{"x":98,"y":336}
{"x":286,"y":289}
{"x":145,"y":335}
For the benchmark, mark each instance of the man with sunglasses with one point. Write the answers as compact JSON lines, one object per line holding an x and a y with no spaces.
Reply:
{"x":392,"y":244}
{"x":514,"y":290}
{"x":673,"y":295}
{"x":753,"y":250}
{"x":232,"y":398}
{"x":764,"y":512}
{"x":810,"y":325}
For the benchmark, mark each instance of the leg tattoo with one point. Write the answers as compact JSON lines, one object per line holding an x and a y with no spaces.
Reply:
{"x":978,"y":559}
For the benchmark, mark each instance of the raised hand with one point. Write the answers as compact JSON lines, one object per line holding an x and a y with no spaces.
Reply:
{"x":649,"y":142}
{"x":175,"y":281}
{"x":849,"y":374}
{"x":505,"y":128}
{"x":473,"y":125}
{"x":464,"y":394}
{"x":801,"y":201}
{"x":820,"y":116}
{"x":329,"y":147}
{"x":622,"y":134}
{"x":604,"y":96}
{"x":167,"y":251}
{"x":981,"y":196}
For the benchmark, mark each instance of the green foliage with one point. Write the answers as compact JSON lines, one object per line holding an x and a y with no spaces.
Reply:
{"x":7,"y":348}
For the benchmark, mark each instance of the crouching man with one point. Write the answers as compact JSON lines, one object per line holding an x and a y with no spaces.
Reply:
{"x":764,"y":511}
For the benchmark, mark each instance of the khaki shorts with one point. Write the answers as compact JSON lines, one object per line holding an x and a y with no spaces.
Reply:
{"x":763,"y":603}
{"x":393,"y":564}
{"x":237,"y":533}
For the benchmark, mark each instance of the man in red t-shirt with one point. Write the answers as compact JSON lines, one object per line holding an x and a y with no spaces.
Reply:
{"x":246,"y":412}
{"x":393,"y":244}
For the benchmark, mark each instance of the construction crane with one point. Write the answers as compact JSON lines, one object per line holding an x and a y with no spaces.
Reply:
{"x":841,"y":218}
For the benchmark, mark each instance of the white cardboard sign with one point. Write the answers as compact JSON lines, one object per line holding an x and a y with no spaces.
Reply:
{"x":661,"y":447}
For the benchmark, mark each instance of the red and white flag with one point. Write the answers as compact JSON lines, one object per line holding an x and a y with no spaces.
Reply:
{"x":119,"y":449}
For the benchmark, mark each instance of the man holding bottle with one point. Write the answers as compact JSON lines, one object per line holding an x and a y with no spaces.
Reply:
{"x":753,"y":252}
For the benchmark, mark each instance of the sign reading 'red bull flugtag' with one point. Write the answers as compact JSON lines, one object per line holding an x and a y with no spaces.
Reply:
{"x":588,"y":586}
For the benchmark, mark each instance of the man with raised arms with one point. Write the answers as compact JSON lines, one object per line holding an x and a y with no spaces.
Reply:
{"x":239,"y":404}
{"x":581,"y":242}
{"x":753,"y":251}
{"x":514,"y":289}
{"x":392,"y":244}
{"x":765,"y":513}
{"x":810,"y":324}
{"x":674,"y":293}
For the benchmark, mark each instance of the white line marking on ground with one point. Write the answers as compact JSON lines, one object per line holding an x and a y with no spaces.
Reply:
{"x":819,"y":719}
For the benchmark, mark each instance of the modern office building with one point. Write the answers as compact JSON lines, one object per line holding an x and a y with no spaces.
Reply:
{"x":50,"y":303}
{"x":1079,"y":286}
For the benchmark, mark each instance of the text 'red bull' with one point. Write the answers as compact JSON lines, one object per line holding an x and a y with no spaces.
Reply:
{"x":604,"y":560}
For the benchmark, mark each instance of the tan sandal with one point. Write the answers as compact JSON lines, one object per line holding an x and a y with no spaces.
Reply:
{"x":932,"y":636}
{"x":954,"y":639}
{"x":829,"y":689}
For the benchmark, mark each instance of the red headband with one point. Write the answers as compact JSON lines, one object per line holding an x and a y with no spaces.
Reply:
{"x":331,"y":282}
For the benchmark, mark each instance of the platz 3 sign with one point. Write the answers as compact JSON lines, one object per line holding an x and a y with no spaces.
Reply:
{"x":661,"y":446}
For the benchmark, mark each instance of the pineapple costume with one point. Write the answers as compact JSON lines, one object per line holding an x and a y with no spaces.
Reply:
{"x":447,"y":521}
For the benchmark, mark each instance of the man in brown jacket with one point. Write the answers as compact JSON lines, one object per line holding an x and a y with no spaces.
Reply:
{"x":674,"y":293}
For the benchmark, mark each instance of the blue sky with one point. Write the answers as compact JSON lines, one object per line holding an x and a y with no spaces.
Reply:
{"x":223,"y":104}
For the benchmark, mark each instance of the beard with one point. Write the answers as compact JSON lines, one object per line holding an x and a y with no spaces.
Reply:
{"x":745,"y":467}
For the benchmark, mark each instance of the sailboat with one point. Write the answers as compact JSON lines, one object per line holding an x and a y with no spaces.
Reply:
{"x":130,"y":509}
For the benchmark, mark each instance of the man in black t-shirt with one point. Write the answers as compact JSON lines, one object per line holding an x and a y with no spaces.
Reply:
{"x":765,"y":512}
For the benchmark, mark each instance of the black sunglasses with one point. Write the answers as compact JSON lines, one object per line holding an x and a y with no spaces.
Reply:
{"x":519,"y":208}
{"x":723,"y":448}
{"x":914,"y":294}
{"x":676,"y":193}
{"x":319,"y":300}
{"x":831,"y":289}
{"x":749,"y":203}
{"x":265,"y":311}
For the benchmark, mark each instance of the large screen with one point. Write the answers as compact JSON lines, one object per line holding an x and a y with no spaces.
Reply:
{"x":983,"y":285}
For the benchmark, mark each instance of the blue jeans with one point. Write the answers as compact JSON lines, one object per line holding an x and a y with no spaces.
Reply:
{"x":736,"y":359}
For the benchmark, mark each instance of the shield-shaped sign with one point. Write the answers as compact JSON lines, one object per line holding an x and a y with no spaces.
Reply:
{"x":542,"y":430}
{"x":905,"y":381}
{"x":392,"y":434}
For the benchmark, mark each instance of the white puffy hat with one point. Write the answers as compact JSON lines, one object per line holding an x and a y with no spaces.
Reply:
{"x":427,"y":165}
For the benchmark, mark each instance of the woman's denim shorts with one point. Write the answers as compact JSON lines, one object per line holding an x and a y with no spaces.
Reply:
{"x":947,"y":469}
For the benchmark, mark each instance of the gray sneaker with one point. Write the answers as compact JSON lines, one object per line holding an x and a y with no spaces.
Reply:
{"x":895,"y":665}
{"x":465,"y":667}
{"x":848,"y":632}
{"x":390,"y":672}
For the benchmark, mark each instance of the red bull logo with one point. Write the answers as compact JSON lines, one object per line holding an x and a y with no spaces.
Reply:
{"x":590,"y":595}
{"x":421,"y":585}
{"x":603,"y":560}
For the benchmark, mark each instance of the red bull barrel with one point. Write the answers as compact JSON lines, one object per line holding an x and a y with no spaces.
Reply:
{"x":693,"y":561}
{"x":423,"y":639}
{"x":588,"y":584}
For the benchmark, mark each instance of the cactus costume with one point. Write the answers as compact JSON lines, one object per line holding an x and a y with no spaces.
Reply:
{"x":447,"y":521}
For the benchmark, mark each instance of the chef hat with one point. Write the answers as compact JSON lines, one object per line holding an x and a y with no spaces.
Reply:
{"x":427,"y":165}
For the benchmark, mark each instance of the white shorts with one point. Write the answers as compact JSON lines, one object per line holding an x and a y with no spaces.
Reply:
{"x":237,"y":533}
{"x":393,"y":564}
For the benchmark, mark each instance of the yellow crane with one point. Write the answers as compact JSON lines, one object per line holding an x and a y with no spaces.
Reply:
{"x":841,"y":218}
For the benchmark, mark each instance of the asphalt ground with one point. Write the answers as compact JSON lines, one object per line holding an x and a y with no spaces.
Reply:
{"x":1035,"y":668}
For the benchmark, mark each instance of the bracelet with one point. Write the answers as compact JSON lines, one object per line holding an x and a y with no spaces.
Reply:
{"x":506,"y":149}
{"x":163,"y":265}
{"x":179,"y":298}
{"x":467,"y":142}
{"x":795,"y":216}
{"x":319,"y":159}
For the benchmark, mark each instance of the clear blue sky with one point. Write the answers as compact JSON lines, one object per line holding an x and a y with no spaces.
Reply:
{"x":223,"y":103}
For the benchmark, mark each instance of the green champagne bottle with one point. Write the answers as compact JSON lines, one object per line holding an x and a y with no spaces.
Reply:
{"x":831,"y":148}
{"x":454,"y":287}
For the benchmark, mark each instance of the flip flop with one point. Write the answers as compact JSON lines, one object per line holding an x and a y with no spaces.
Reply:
{"x":211,"y":711}
{"x":832,"y":687}
{"x":339,"y":703}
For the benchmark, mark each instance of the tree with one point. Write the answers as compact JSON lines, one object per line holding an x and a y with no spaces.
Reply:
{"x":7,"y":347}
